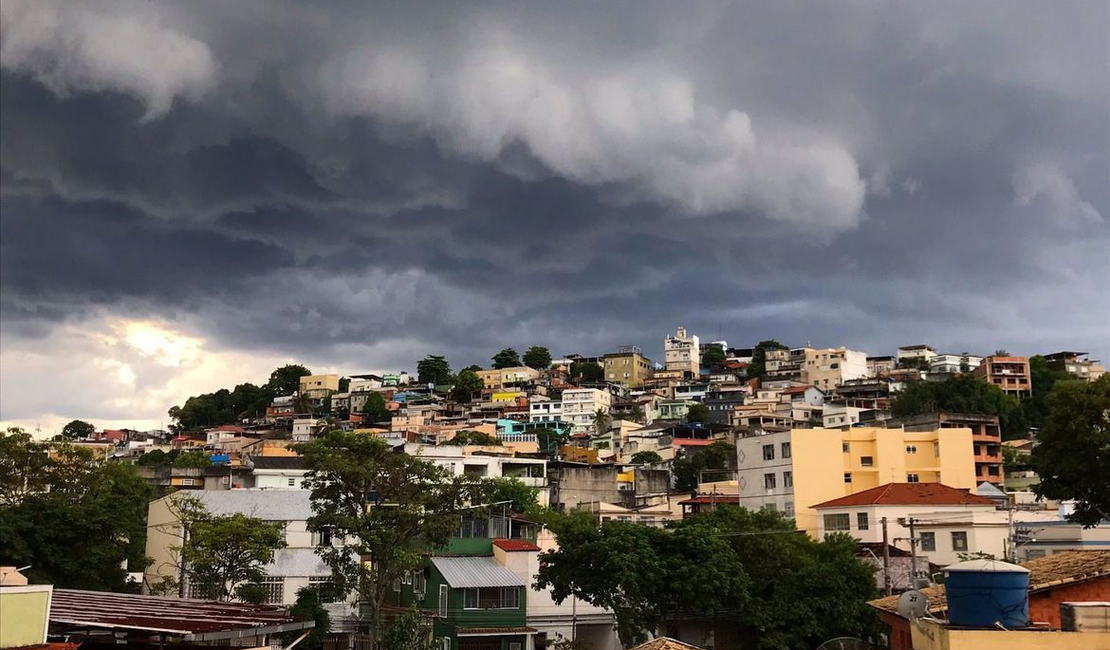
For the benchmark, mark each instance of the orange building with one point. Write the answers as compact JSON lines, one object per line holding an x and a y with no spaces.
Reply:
{"x":1011,"y":374}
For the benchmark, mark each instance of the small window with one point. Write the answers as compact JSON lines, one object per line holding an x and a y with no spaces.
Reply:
{"x":292,"y":482}
{"x":407,"y":578}
{"x":768,"y":452}
{"x":861,"y":520}
{"x":786,"y":450}
{"x":844,"y":446}
{"x":769,"y":481}
{"x":847,"y":477}
{"x":913,"y":478}
{"x":788,"y":479}
{"x":959,"y":540}
{"x":470,"y":599}
{"x":936,"y":450}
{"x":789,"y":509}
{"x":866,"y":461}
{"x":838,"y":522}
{"x":419,"y":583}
{"x":928,"y":541}
{"x":443,"y":602}
{"x":911,"y":449}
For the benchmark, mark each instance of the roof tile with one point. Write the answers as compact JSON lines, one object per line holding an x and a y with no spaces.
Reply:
{"x":909,"y":494}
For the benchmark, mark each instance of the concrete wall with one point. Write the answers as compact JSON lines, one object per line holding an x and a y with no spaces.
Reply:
{"x":933,"y":636}
{"x":24,"y":614}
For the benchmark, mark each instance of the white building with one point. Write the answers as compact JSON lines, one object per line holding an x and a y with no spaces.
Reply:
{"x":580,"y":405}
{"x":541,"y":409}
{"x":915,"y":353}
{"x":682,"y":352}
{"x":835,"y":416}
{"x":304,"y":429}
{"x":954,"y":363}
{"x":530,"y":471}
{"x":276,"y":472}
{"x":829,"y":367}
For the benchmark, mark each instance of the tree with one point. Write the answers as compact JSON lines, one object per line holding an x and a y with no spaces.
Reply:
{"x":713,"y":356}
{"x":1073,"y":453}
{"x":1001,"y":352}
{"x":222,"y":553}
{"x":286,"y":380}
{"x":77,"y":430}
{"x":747,"y":570}
{"x":646,"y":458}
{"x":195,"y":459}
{"x":757,"y":367}
{"x":466,"y":384}
{"x":688,"y":470}
{"x":522,"y":498}
{"x":409,"y":631}
{"x":467,"y":437}
{"x":1042,"y":378}
{"x":601,"y":421}
{"x":24,"y":466}
{"x":962,"y":394}
{"x":433,"y":369}
{"x":387,"y":505}
{"x":537,"y":358}
{"x":586,"y":372}
{"x":550,"y":440}
{"x":309,"y":607}
{"x":507,"y":358}
{"x":375,"y":409}
{"x":698,"y":413}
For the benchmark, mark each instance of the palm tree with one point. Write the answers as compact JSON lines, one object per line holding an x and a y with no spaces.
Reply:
{"x":601,"y":421}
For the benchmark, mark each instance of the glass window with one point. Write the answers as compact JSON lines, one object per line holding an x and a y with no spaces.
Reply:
{"x":913,"y":478}
{"x":837,"y":522}
{"x":786,"y":450}
{"x":928,"y":541}
{"x":844,"y":446}
{"x":911,"y":449}
{"x":275,"y":590}
{"x":959,"y":540}
{"x":866,"y":461}
{"x":847,"y":477}
{"x":470,"y":599}
{"x":769,"y":481}
{"x":789,"y":509}
{"x":788,"y":479}
{"x":861,"y":520}
{"x":768,"y":452}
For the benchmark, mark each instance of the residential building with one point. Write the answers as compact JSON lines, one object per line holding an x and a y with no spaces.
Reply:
{"x":783,"y":368}
{"x":829,"y":367}
{"x":530,"y":471}
{"x":1077,"y":364}
{"x":916,"y":356}
{"x":946,"y":521}
{"x":721,"y":402}
{"x":681,"y":352}
{"x":580,"y":405}
{"x":277,"y":472}
{"x":841,"y":415}
{"x":500,"y":379}
{"x":1011,"y":374}
{"x":877,"y":366}
{"x":790,"y":471}
{"x":673,"y":409}
{"x":1042,"y":533}
{"x":305,"y":429}
{"x":541,"y":409}
{"x":626,"y":366}
{"x":986,"y":438}
{"x":319,"y":386}
{"x":574,"y":483}
{"x":952,"y":364}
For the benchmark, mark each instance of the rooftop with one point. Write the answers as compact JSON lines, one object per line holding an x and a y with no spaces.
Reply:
{"x":666,"y":643}
{"x":515,"y":545}
{"x":909,"y":494}
{"x":475,"y":571}
{"x":269,"y":505}
{"x":277,"y":462}
{"x":705,"y":499}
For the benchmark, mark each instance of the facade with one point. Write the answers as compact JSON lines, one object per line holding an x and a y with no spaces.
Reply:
{"x":828,"y":368}
{"x":626,"y":366}
{"x":877,"y":366}
{"x":277,"y":472}
{"x":986,"y":438}
{"x":24,"y":610}
{"x":1076,"y":363}
{"x":681,"y":352}
{"x":792,"y":471}
{"x":721,"y":402}
{"x":580,"y":405}
{"x":497,"y":380}
{"x":1011,"y":374}
{"x":783,"y":367}
{"x":545,"y":410}
{"x":319,"y":386}
{"x":951,"y":364}
{"x":530,"y":471}
{"x":915,"y":355}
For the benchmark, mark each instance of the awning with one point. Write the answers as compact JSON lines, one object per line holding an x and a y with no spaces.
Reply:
{"x":469,"y":572}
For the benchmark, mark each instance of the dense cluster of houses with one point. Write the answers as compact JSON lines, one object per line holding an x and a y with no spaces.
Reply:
{"x":813,"y":438}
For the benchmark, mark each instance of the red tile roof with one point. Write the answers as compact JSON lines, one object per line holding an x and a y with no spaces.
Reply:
{"x":794,"y":390}
{"x":910,"y":494}
{"x":515,"y":545}
{"x":691,"y":442}
{"x":702,"y":499}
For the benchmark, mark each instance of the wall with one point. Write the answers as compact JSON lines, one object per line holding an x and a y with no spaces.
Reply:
{"x":1045,"y":605}
{"x":933,"y":636}
{"x":24,"y":611}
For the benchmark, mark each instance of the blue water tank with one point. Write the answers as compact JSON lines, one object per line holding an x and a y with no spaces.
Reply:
{"x":982,"y":593}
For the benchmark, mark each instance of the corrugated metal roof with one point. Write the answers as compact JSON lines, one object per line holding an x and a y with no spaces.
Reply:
{"x":463,"y":572}
{"x":268,"y":505}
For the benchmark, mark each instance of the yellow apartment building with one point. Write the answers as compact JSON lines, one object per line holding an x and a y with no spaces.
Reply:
{"x":319,"y":385}
{"x":794,"y":470}
{"x":499,"y":379}
{"x":627,"y":366}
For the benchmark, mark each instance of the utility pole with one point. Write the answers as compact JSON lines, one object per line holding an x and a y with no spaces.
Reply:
{"x":913,"y":553}
{"x":1011,"y":546}
{"x":886,"y":560}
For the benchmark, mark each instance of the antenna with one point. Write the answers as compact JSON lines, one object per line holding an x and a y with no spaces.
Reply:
{"x":845,"y":643}
{"x":913,"y":605}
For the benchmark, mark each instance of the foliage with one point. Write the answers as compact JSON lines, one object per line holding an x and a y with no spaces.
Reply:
{"x":385,"y":504}
{"x":156,"y":458}
{"x":750,"y":570}
{"x":758,"y":365}
{"x":309,"y":607}
{"x":467,"y":437}
{"x":586,"y":372}
{"x":523,"y":498}
{"x":961,"y":394}
{"x":601,"y":421}
{"x":698,"y":413}
{"x":433,"y":369}
{"x":286,"y":380}
{"x":77,"y":430}
{"x":507,"y":358}
{"x":225,"y":552}
{"x":195,"y":459}
{"x":375,"y":409}
{"x":537,"y":357}
{"x":646,"y":458}
{"x":245,"y":400}
{"x":688,"y":468}
{"x":550,"y":440}
{"x":636,"y":414}
{"x":409,"y":631}
{"x":713,"y":356}
{"x":1073,"y":453}
{"x":466,"y":384}
{"x":1042,"y":378}
{"x":252,"y":592}
{"x":98,"y":508}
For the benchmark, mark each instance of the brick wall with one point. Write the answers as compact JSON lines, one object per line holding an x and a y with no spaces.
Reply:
{"x":1045,"y":606}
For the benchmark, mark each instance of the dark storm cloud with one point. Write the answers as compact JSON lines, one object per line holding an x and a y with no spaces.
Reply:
{"x":357,"y":186}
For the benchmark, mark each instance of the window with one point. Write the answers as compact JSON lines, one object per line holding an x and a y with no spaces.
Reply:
{"x":913,"y":478}
{"x":866,"y":461}
{"x":322,"y":538}
{"x":785,"y":450}
{"x":959,"y":540}
{"x":768,"y":452}
{"x":789,"y":509}
{"x":397,"y":585}
{"x":911,"y":449}
{"x":769,"y":481}
{"x":844,"y":446}
{"x":861,"y":520}
{"x":443,"y":601}
{"x":407,"y":578}
{"x":292,"y":482}
{"x":928,"y":541}
{"x":491,"y":598}
{"x":446,"y":641}
{"x":936,"y":450}
{"x":788,"y":479}
{"x":847,"y":477}
{"x":419,"y":583}
{"x":275,"y":590}
{"x":838,"y":522}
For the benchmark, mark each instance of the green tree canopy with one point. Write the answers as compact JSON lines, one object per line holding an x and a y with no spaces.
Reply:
{"x":601,"y":421}
{"x":1042,"y":378}
{"x":286,"y":380}
{"x":195,"y":459}
{"x":550,"y":440}
{"x":757,"y":367}
{"x":537,"y":357}
{"x":466,"y":384}
{"x":698,"y":413}
{"x":646,"y":458}
{"x":433,"y":369}
{"x":712,"y":356}
{"x":962,"y":394}
{"x":467,"y":437}
{"x":309,"y":606}
{"x":375,"y":408}
{"x":688,"y":468}
{"x":77,"y":430}
{"x":587,"y":372}
{"x":1073,"y":454}
{"x":507,"y":358}
{"x":522,"y":497}
{"x":387,"y":505}
{"x":748,"y":570}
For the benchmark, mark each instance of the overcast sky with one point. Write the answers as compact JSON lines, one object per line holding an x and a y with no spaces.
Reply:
{"x":195,"y":193}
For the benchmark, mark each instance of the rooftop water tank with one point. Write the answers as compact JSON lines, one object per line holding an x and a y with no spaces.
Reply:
{"x":982,"y":593}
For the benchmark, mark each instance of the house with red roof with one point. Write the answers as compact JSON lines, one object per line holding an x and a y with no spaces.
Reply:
{"x":945,"y":521}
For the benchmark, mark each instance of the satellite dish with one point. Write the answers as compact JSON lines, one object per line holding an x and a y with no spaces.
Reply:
{"x":845,"y":643}
{"x":913,"y":604}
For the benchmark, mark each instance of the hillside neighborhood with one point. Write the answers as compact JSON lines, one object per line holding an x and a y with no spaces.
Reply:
{"x":558,"y":502}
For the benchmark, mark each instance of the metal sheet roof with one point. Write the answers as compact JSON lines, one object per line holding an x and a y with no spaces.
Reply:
{"x":463,"y":572}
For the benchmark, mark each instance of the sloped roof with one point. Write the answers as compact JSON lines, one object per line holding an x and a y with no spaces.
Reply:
{"x":909,"y":494}
{"x":297,"y":563}
{"x":515,"y":545}
{"x":269,"y":505}
{"x":277,"y":462}
{"x":665,"y":643}
{"x":482,"y":571}
{"x":1046,"y":572}
{"x":703,"y":499}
